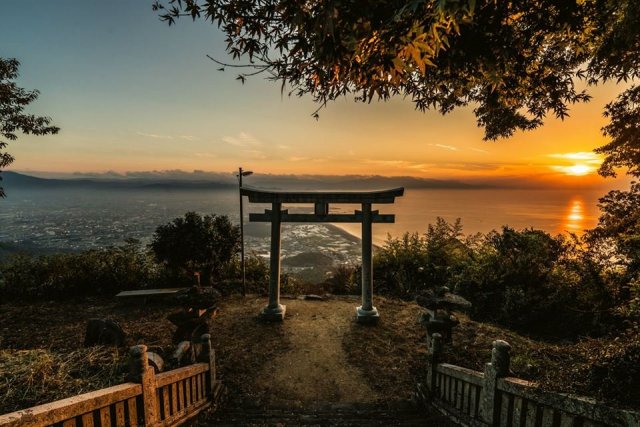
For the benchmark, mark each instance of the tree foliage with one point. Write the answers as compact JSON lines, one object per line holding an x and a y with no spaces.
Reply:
{"x":623,"y":151}
{"x":515,"y":61}
{"x":524,"y":279}
{"x":103,"y":272}
{"x":196,"y":243}
{"x":13,"y":119}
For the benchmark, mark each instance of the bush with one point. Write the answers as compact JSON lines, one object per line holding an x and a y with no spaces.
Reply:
{"x":256,"y":274}
{"x":412,"y":264}
{"x":94,"y":272}
{"x":195,"y":243}
{"x":345,"y":279}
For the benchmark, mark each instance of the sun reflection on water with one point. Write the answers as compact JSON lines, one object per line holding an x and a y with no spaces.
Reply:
{"x":574,"y":219}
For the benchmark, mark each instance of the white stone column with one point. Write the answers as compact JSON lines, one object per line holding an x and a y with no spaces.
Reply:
{"x":275,"y":310}
{"x":367,"y":313}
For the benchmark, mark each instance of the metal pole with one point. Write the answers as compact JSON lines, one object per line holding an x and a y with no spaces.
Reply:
{"x":244,"y":283}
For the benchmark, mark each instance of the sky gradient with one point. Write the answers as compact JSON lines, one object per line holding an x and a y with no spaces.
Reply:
{"x":132,"y":94}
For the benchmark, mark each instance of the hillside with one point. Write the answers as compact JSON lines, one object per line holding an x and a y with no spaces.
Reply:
{"x":317,"y":355}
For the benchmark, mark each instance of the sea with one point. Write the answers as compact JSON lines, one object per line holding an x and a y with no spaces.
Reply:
{"x":73,"y":219}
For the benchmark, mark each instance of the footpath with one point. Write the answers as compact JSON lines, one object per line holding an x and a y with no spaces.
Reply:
{"x":313,"y":383}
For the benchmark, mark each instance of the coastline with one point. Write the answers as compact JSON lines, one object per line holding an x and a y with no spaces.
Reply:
{"x":347,"y":235}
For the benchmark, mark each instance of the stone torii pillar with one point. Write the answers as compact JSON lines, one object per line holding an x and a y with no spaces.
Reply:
{"x":274,"y":310}
{"x":366,"y":313}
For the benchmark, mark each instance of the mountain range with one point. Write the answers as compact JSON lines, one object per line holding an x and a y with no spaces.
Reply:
{"x":203,"y":180}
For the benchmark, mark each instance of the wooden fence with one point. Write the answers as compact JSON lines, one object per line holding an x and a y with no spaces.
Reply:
{"x":492,"y":398}
{"x":163,"y":400}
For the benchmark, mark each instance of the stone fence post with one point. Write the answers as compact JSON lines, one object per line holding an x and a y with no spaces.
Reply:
{"x":499,"y":367}
{"x":433,"y":358}
{"x":208,"y":355}
{"x":140,"y":372}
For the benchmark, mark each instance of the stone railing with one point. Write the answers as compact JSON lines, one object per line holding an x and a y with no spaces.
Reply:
{"x":492,"y":398}
{"x":164,"y":400}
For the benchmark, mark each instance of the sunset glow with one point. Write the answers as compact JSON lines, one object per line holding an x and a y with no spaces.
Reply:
{"x":146,"y":120}
{"x":576,"y":170}
{"x":580,"y":163}
{"x":574,"y":220}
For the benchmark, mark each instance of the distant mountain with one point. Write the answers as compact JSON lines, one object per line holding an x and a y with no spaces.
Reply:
{"x":19,"y":180}
{"x":182,"y":180}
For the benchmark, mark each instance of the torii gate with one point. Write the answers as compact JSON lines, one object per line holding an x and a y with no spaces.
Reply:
{"x":366,"y":313}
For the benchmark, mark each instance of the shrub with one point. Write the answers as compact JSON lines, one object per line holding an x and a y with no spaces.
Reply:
{"x":344,"y":280}
{"x":93,"y":272}
{"x":196,"y":243}
{"x":409,"y":265}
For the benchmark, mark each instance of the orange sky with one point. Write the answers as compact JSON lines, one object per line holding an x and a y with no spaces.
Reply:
{"x":133,"y":94}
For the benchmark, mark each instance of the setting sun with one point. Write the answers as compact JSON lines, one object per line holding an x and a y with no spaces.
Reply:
{"x":576,"y":170}
{"x":588,"y":163}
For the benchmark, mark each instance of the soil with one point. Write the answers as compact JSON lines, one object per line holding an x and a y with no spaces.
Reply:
{"x":318,"y":355}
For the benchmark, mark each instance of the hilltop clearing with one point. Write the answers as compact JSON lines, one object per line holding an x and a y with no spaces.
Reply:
{"x":319,"y":355}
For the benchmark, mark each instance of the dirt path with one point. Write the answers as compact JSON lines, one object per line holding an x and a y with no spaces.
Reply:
{"x":315,"y":370}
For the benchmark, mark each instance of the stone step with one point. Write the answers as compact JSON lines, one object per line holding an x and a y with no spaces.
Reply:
{"x":397,"y":414}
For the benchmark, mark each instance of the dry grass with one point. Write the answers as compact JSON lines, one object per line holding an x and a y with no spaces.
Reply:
{"x":42,"y":359}
{"x":391,"y":354}
{"x":31,"y":377}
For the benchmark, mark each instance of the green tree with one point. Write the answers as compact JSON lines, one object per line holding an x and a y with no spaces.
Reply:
{"x":104,"y":271}
{"x":515,"y":61}
{"x":518,"y":278}
{"x":196,"y":243}
{"x":411,"y":264}
{"x":618,"y":237}
{"x":13,"y":119}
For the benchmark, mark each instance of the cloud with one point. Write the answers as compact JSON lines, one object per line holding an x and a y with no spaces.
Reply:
{"x":256,"y":154}
{"x":398,"y":163}
{"x":583,"y":156}
{"x":480,"y":150}
{"x":159,"y":136}
{"x":446,"y":147}
{"x":206,"y":155}
{"x":580,"y":163}
{"x":242,"y":140}
{"x":154,"y":135}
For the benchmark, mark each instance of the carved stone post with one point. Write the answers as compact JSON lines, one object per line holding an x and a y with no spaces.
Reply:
{"x":275,"y":310}
{"x":208,"y":355}
{"x":433,"y":358}
{"x":499,"y":367}
{"x":367,"y":313}
{"x":141,"y":372}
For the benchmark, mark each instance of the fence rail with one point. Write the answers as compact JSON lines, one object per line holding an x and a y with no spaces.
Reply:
{"x":492,"y":398}
{"x":164,"y":400}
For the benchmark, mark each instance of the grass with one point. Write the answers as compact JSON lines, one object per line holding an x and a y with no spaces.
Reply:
{"x":42,"y":359}
{"x":31,"y":377}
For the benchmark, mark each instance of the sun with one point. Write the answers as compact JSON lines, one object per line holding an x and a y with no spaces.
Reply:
{"x":583,"y":163}
{"x":578,"y":170}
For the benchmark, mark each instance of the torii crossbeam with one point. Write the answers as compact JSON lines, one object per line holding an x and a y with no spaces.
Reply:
{"x":366,"y":313}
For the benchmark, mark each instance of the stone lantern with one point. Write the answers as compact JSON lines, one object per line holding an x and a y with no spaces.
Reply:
{"x":438,"y":305}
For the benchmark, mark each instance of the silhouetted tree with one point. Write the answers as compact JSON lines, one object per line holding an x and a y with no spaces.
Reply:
{"x":195,"y":243}
{"x":13,"y":100}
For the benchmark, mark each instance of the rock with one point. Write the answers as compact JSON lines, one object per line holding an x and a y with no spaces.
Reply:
{"x":104,"y":332}
{"x":156,"y":361}
{"x":183,"y":355}
{"x":444,"y":299}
